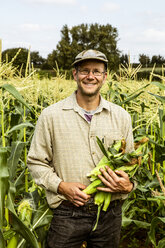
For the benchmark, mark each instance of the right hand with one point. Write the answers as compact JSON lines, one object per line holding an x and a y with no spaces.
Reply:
{"x":73,"y":192}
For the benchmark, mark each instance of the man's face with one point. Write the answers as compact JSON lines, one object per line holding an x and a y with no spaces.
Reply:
{"x":89,"y":84}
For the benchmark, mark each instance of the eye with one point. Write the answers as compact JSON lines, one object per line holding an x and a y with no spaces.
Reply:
{"x":97,"y":72}
{"x":84,"y":71}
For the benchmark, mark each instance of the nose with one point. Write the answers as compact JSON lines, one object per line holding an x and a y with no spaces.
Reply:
{"x":90,"y":74}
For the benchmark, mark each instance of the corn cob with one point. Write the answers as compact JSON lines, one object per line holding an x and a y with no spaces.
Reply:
{"x":92,"y":188}
{"x":98,"y":200}
{"x":13,"y":242}
{"x":25,"y":211}
{"x":107,"y":200}
{"x":116,"y":158}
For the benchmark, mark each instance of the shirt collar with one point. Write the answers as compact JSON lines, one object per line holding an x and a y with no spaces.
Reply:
{"x":71,"y":103}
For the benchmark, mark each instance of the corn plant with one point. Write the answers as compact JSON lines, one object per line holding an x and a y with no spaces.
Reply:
{"x":17,"y":229}
{"x":21,"y":101}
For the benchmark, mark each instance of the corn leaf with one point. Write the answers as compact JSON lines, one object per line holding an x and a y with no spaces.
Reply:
{"x":20,"y":126}
{"x":19,"y":179}
{"x":14,"y":92}
{"x":33,"y":197}
{"x":2,"y":241}
{"x":102,"y":147}
{"x":158,"y":97}
{"x":127,"y":168}
{"x":4,"y":184}
{"x":161,"y":243}
{"x":41,"y":217}
{"x":159,"y":197}
{"x":126,"y":205}
{"x":141,"y":224}
{"x":10,"y":197}
{"x":131,"y":97}
{"x":24,"y":231}
{"x":16,"y":151}
{"x":160,"y":85}
{"x":155,"y":222}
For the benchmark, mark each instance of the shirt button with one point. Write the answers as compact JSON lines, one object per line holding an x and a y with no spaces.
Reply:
{"x":93,"y":153}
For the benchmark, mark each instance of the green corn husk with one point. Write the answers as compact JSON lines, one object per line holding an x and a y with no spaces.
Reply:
{"x":25,"y":212}
{"x":116,"y":158}
{"x":92,"y":188}
{"x":96,"y":171}
{"x":107,"y":200}
{"x":98,"y":200}
{"x":13,"y":241}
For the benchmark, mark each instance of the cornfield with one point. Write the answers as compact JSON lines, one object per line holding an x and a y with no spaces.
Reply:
{"x":24,"y":214}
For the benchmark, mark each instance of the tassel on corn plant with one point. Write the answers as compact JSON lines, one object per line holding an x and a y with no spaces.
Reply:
{"x":117,"y":159}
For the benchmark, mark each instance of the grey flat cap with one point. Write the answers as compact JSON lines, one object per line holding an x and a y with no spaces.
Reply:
{"x":90,"y":54}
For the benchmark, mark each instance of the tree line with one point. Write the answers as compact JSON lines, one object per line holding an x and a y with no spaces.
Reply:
{"x":74,"y":40}
{"x":146,"y":61}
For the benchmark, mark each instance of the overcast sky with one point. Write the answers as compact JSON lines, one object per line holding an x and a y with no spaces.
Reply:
{"x":37,"y":23}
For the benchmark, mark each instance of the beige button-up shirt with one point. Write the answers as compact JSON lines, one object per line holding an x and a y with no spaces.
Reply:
{"x":64,"y":146}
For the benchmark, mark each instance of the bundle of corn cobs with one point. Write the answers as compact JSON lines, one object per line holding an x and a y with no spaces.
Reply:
{"x":117,"y":159}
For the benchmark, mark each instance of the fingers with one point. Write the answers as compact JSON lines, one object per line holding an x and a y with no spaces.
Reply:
{"x":117,"y":181}
{"x":121,"y":173}
{"x":82,"y":196}
{"x":110,"y":176}
{"x":76,"y":195}
{"x":108,"y":181}
{"x":81,"y":186}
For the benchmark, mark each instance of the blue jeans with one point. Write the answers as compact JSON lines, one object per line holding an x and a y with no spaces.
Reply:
{"x":72,"y":225}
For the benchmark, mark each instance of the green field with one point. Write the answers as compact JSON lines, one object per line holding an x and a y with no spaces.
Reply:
{"x":24,"y":213}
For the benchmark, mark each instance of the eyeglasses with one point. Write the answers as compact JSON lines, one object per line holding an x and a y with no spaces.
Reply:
{"x":94,"y":72}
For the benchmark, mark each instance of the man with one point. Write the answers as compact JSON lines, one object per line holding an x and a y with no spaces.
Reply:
{"x":64,"y":150}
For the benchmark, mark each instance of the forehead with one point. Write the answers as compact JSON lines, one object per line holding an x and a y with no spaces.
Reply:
{"x":92,"y":63}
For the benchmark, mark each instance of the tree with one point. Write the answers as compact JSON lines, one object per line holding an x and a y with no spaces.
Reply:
{"x":144,"y":60}
{"x":19,"y":57}
{"x":82,"y":37}
{"x":36,"y":59}
{"x":158,"y":60}
{"x":124,"y":59}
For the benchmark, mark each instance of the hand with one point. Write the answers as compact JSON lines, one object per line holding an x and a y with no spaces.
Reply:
{"x":115,"y":181}
{"x":73,"y":192}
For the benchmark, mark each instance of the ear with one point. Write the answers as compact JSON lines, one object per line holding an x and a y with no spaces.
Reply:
{"x":74,"y":72}
{"x":105,"y":77}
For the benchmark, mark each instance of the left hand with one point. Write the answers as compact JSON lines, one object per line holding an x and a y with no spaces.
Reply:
{"x":115,"y":181}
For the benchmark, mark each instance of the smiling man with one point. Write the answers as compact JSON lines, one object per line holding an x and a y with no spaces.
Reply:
{"x":64,"y":150}
{"x":90,"y":77}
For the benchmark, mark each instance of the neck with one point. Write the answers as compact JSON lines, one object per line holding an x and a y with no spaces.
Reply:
{"x":88,"y":102}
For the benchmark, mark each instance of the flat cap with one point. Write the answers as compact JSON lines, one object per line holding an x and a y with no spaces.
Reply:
{"x":90,"y":54}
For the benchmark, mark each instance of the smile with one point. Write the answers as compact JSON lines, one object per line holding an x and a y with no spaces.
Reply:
{"x":89,"y":84}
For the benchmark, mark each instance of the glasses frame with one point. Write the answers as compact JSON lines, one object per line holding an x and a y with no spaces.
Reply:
{"x":85,"y":72}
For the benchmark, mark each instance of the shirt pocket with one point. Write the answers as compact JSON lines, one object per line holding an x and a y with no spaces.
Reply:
{"x":111,"y":137}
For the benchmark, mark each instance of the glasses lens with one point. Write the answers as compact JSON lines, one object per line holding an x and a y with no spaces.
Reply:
{"x":97,"y":73}
{"x":86,"y":72}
